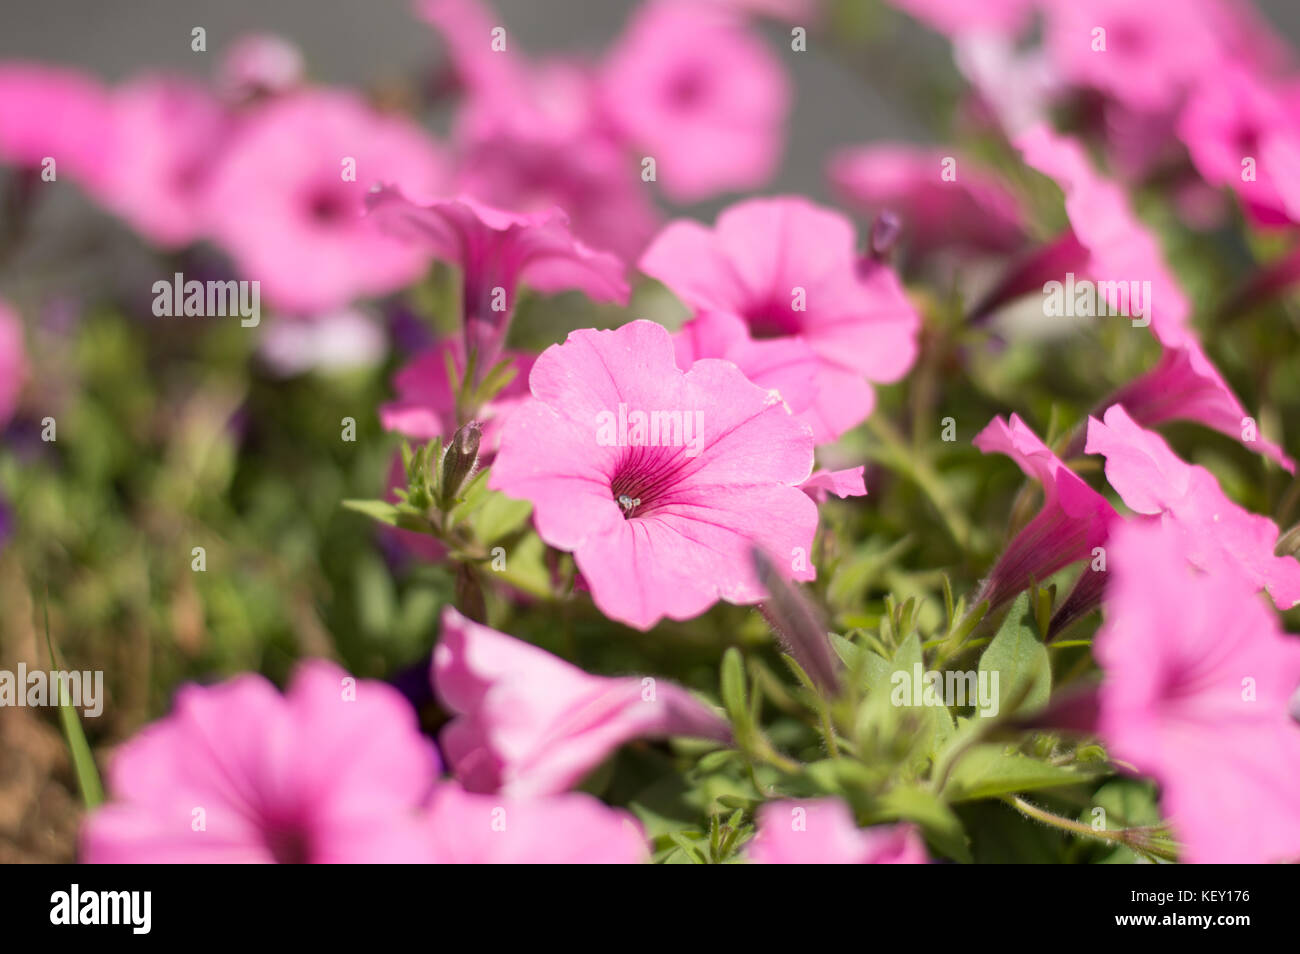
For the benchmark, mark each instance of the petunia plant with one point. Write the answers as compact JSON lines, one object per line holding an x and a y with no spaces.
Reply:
{"x":598,"y":489}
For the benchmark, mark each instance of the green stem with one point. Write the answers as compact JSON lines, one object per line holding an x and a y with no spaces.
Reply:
{"x":1141,"y":839}
{"x":897,"y":455}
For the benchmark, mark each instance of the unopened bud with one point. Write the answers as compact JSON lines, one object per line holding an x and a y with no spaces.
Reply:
{"x":798,"y":624}
{"x":1289,"y":543}
{"x":460,"y":459}
{"x":884,"y":234}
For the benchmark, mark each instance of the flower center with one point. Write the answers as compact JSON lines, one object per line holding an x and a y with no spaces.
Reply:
{"x":646,"y":478}
{"x":289,"y":844}
{"x":774,"y":320}
{"x":328,"y":207}
{"x":686,"y":87}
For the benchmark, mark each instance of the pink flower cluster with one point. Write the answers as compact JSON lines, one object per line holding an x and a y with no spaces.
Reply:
{"x":675,"y":466}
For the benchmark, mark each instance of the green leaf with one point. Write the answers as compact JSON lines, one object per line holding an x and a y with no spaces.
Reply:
{"x":525,"y":566}
{"x":885,"y":715}
{"x":688,"y":847}
{"x":379,"y":510}
{"x":83,"y":760}
{"x":989,"y":770}
{"x":1019,"y":662}
{"x":733,"y":692}
{"x":500,"y":516}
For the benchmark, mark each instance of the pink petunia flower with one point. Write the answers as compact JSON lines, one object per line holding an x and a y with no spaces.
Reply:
{"x":166,"y":132}
{"x":822,"y":832}
{"x":1212,"y":530}
{"x":1121,"y":249}
{"x":287,"y":198}
{"x":335,"y":770}
{"x":1142,"y":54}
{"x":697,"y":90}
{"x":496,"y":252}
{"x":528,"y":723}
{"x":337,"y":340}
{"x":1015,"y":87}
{"x":972,"y":211}
{"x":1074,"y":519}
{"x":48,"y":111}
{"x":590,"y":177}
{"x":789,"y":269}
{"x":1186,"y":386}
{"x":468,"y":829}
{"x":659,"y":481}
{"x":529,"y":135}
{"x":1198,"y":679}
{"x":13,"y":361}
{"x":1234,"y":125}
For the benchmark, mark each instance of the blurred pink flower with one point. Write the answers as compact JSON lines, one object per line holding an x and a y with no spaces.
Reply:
{"x":257,"y":65}
{"x":790,"y":270}
{"x":591,"y":178}
{"x":335,"y":770}
{"x":822,"y":832}
{"x":973,"y":211}
{"x":1147,"y":55}
{"x":529,"y":136}
{"x":1245,"y":35}
{"x":1120,"y":247}
{"x":1211,"y":529}
{"x":167,"y":132}
{"x":426,"y":407}
{"x":841,"y":483}
{"x":49,"y":111}
{"x":528,"y":723}
{"x":697,"y":90}
{"x":496,"y":252}
{"x":1186,"y":386}
{"x":1017,"y":86}
{"x":1198,"y":679}
{"x":337,"y":340}
{"x":657,"y":529}
{"x":468,"y":829}
{"x":287,"y":198}
{"x":13,"y":361}
{"x":1073,"y":520}
{"x":1233,"y":117}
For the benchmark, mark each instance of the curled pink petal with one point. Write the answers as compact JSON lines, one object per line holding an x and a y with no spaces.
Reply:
{"x":529,"y":723}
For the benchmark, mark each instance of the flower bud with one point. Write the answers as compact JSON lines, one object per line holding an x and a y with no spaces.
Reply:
{"x":460,"y":459}
{"x":798,"y":624}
